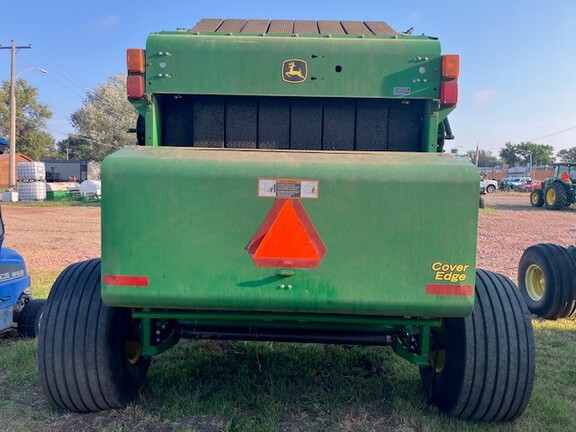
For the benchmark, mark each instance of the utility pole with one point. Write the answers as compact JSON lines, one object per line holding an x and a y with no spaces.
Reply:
{"x":12,"y":161}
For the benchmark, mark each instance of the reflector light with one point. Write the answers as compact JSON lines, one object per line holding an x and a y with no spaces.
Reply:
{"x":449,"y":290}
{"x":135,"y":86}
{"x":450,"y":66}
{"x":449,"y":93}
{"x":135,"y":60}
{"x":117,"y":280}
{"x":287,"y":238}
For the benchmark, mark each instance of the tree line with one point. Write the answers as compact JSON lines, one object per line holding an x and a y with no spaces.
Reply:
{"x":101,"y":127}
{"x":521,"y":154}
{"x":101,"y":124}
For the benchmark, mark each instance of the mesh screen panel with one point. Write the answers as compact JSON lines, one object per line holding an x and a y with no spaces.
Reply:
{"x":291,"y":123}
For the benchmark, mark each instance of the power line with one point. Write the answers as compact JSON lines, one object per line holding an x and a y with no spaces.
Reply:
{"x":555,"y":133}
{"x":88,"y":95}
{"x":61,"y":70}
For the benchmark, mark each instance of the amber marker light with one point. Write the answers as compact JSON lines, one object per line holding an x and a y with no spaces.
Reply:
{"x":135,"y":60}
{"x":450,"y":66}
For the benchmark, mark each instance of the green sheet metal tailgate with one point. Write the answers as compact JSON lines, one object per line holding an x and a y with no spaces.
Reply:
{"x":370,"y":233}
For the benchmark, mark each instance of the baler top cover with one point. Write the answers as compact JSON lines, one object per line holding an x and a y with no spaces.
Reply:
{"x":301,"y":85}
{"x":319,"y":58}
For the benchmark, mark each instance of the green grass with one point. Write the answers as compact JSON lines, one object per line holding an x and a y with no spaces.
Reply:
{"x":488,"y":210}
{"x":57,"y":203}
{"x":42,"y":281}
{"x":237,"y":386}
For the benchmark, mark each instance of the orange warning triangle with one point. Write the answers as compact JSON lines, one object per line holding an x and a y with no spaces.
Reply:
{"x":287,"y":238}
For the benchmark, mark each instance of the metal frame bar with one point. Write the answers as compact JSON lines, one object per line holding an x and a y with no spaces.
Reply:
{"x":281,"y":327}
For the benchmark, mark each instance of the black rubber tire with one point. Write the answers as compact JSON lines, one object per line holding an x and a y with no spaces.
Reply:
{"x":558,"y":268}
{"x":82,"y":358}
{"x":537,"y":198}
{"x":490,"y":189}
{"x":29,"y":318}
{"x":482,"y":203}
{"x":561,"y":200}
{"x":488,"y":371}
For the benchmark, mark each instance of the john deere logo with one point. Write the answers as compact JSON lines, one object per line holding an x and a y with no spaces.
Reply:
{"x":294,"y":71}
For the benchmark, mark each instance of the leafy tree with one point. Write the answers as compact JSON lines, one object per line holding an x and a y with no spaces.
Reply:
{"x":509,"y":154}
{"x":74,"y":148}
{"x":103,"y":120}
{"x":514,"y":154}
{"x":567,"y":155}
{"x":541,"y":154}
{"x":32,"y":137}
{"x":485,"y":158}
{"x":37,"y":145}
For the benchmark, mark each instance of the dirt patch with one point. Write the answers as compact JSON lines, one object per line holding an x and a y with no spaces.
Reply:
{"x":510,"y":224}
{"x":52,"y":237}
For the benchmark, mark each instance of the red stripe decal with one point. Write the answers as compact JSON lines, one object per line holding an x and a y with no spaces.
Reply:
{"x":137,"y":281}
{"x":449,"y":290}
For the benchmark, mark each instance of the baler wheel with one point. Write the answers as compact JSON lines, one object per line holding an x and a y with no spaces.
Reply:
{"x":546,"y":280}
{"x":482,"y":203}
{"x":537,"y":198}
{"x":489,"y":357}
{"x":83,"y":360}
{"x":29,"y":318}
{"x":556,"y":196}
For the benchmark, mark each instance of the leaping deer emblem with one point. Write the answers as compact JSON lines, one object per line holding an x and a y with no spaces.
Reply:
{"x":294,"y":74}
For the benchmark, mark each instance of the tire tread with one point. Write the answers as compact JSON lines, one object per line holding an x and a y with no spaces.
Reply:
{"x":489,"y":370}
{"x":29,"y":317}
{"x":80,"y":352}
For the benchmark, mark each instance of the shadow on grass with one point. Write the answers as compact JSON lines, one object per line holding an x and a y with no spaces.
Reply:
{"x":265,"y":386}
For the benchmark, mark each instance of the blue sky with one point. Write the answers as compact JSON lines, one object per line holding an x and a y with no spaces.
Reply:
{"x":517,"y":80}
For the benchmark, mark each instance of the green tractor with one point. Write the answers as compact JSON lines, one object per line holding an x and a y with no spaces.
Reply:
{"x":291,"y":186}
{"x":558,"y":191}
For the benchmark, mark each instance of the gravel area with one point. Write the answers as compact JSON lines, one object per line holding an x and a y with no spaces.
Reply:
{"x":510,"y":224}
{"x":52,"y":237}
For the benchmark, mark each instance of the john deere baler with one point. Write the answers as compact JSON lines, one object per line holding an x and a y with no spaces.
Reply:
{"x":291,"y":185}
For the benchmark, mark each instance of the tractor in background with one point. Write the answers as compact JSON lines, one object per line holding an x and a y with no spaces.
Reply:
{"x":558,"y":191}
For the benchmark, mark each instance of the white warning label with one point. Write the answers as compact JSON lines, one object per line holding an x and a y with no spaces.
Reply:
{"x":287,"y":188}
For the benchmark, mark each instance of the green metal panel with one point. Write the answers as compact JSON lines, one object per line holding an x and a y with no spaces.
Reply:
{"x":405,"y":67}
{"x":183,"y":217}
{"x":57,"y":195}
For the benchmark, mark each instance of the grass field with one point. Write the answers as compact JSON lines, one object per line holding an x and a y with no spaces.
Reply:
{"x":212,"y":386}
{"x":57,"y":203}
